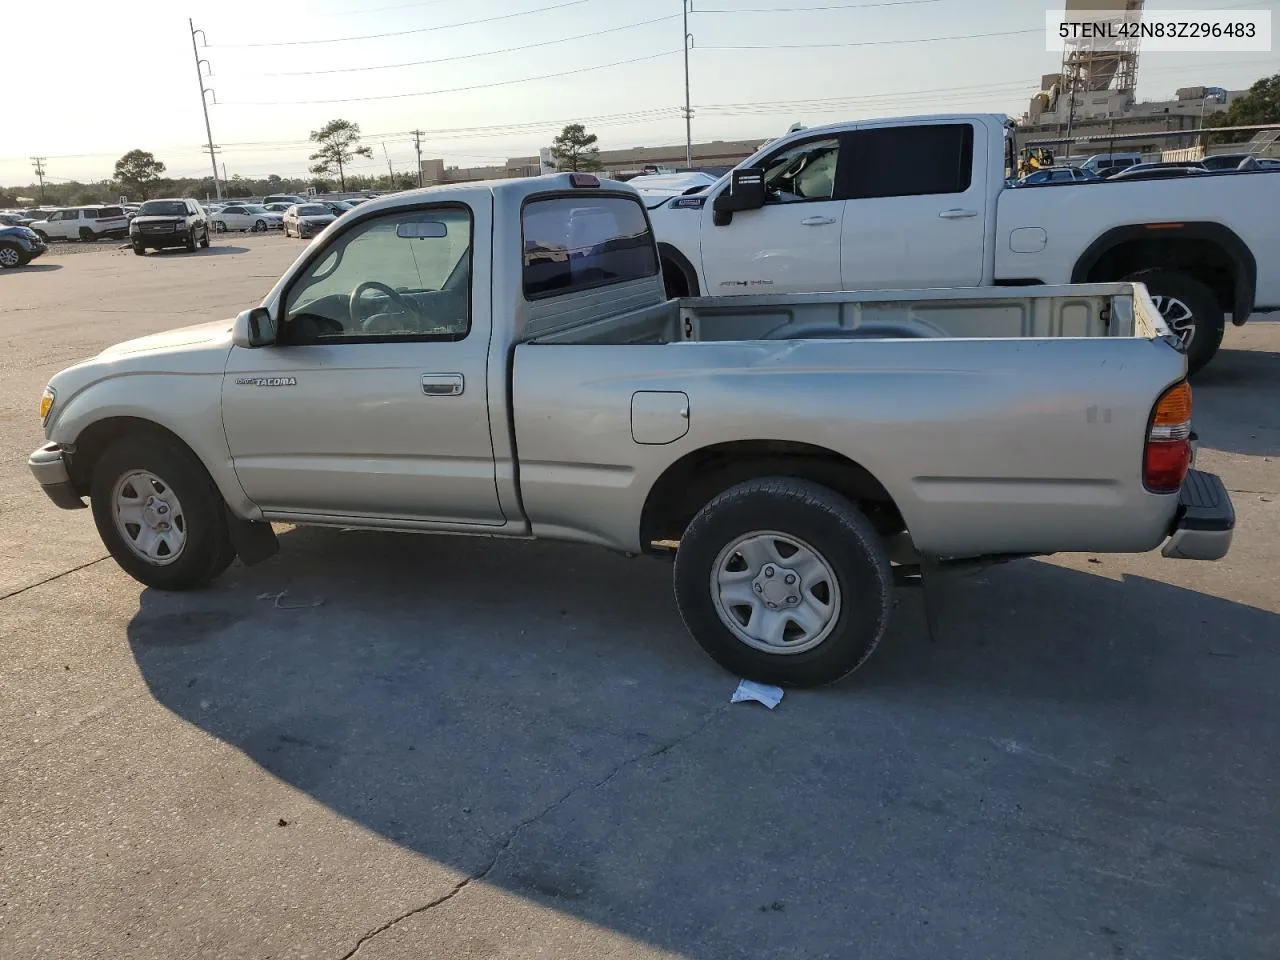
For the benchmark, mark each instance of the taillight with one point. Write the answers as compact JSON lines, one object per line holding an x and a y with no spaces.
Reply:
{"x":1167,"y":455}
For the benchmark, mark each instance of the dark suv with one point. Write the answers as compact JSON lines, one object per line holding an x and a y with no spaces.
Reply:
{"x":169,"y":223}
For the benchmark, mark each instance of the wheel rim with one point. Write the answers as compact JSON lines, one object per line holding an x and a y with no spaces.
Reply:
{"x":259,"y":226}
{"x":149,"y":517}
{"x":775,"y":593}
{"x":8,"y":257}
{"x":1180,"y":318}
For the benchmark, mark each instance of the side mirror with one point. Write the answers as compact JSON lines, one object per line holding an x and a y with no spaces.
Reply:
{"x":746,"y":192}
{"x":254,"y":328}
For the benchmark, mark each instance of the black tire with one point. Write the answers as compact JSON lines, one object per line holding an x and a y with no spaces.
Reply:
{"x":12,"y":255}
{"x":191,"y":240}
{"x":259,"y":226}
{"x":86,"y":235}
{"x":219,"y":227}
{"x":42,"y":235}
{"x":1202,"y":333}
{"x":829,"y":524}
{"x":207,"y":550}
{"x":139,"y":249}
{"x":204,"y":239}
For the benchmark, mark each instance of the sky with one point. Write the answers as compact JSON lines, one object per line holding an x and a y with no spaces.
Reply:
{"x":491,"y":79}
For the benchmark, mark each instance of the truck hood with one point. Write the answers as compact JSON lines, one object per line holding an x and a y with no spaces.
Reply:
{"x":198,"y":336}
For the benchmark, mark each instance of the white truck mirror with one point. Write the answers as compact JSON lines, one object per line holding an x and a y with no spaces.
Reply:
{"x":254,"y":328}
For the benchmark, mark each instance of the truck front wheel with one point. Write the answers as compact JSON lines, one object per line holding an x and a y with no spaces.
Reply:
{"x":159,"y":513}
{"x":1190,"y":309}
{"x":784,"y":581}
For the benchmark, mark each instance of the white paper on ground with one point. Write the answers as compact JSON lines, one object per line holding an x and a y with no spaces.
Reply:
{"x":759,"y":692}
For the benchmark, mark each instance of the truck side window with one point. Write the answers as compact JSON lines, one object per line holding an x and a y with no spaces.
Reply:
{"x":911,"y":161}
{"x":404,"y":276}
{"x":576,"y":243}
{"x":806,"y":171}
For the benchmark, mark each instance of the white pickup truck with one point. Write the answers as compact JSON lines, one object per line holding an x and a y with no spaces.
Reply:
{"x":500,"y":359}
{"x":922,"y":202}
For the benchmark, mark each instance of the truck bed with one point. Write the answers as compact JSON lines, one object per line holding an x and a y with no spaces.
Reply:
{"x":1078,"y":310}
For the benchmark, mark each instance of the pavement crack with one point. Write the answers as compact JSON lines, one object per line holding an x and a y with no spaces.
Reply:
{"x":51,"y":578}
{"x":514,"y":833}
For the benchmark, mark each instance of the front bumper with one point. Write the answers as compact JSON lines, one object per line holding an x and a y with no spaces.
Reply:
{"x":1205,"y":520}
{"x":49,"y":466}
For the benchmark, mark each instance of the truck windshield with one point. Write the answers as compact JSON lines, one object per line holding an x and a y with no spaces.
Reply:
{"x":576,"y":243}
{"x":163,"y":208}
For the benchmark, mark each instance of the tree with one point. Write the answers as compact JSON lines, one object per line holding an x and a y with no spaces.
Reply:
{"x":136,"y":171}
{"x":1260,"y":105}
{"x":575,"y":149}
{"x":339,"y":143}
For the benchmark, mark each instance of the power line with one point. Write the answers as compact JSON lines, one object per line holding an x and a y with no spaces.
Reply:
{"x":874,"y":43}
{"x":432,"y":93}
{"x":405,"y":33}
{"x":471,"y":56}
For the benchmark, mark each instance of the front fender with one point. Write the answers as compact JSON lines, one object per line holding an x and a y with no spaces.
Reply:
{"x":188,"y":406}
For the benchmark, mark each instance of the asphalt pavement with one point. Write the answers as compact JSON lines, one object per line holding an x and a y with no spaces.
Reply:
{"x":398,"y":746}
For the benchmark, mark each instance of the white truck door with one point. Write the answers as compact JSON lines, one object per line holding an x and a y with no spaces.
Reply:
{"x":916,"y":216}
{"x":373,"y":401}
{"x":792,"y":243}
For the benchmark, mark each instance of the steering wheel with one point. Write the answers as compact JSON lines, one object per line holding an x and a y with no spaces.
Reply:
{"x":356,"y":305}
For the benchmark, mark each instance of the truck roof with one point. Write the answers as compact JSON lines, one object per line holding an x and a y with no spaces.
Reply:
{"x":513,"y":190}
{"x":999,"y":119}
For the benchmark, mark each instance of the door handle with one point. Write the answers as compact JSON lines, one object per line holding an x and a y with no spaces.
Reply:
{"x":817,"y":221}
{"x":442,"y":384}
{"x":958,"y":214}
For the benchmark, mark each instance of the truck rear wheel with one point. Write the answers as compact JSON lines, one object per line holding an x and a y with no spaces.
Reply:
{"x":159,"y":513}
{"x":784,"y":581}
{"x":1190,"y":309}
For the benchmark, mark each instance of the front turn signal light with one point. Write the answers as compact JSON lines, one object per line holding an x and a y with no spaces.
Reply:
{"x":46,"y":403}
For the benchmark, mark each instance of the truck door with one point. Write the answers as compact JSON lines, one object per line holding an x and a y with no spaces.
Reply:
{"x":916,"y":214}
{"x":792,"y":243}
{"x":373,"y":401}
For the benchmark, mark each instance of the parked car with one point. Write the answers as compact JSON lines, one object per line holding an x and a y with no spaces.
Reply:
{"x":337,"y":207}
{"x":277,"y":207}
{"x":19,"y":246}
{"x":83,"y":223}
{"x":175,"y":222}
{"x":1105,"y":164}
{"x":15,"y":220}
{"x":392,"y":374}
{"x":1224,"y":161}
{"x":920,"y":202}
{"x":1158,"y":171}
{"x":306,"y":220}
{"x":245,"y":216}
{"x":1051,"y":175}
{"x":289,"y":199}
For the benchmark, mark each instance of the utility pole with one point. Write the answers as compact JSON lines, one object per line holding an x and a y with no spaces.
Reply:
{"x":224,"y":172}
{"x":204,"y":101}
{"x":38,"y":164}
{"x":417,"y":146}
{"x":688,"y":110}
{"x":391,"y":174}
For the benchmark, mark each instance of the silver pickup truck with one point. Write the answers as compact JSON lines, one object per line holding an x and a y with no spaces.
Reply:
{"x":500,"y":359}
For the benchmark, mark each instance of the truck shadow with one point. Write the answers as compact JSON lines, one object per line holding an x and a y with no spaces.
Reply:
{"x":216,"y":249}
{"x":537,"y":714}
{"x":1237,"y":402}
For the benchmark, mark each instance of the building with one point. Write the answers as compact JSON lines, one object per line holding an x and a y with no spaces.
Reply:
{"x":717,"y":154}
{"x":1105,"y":113}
